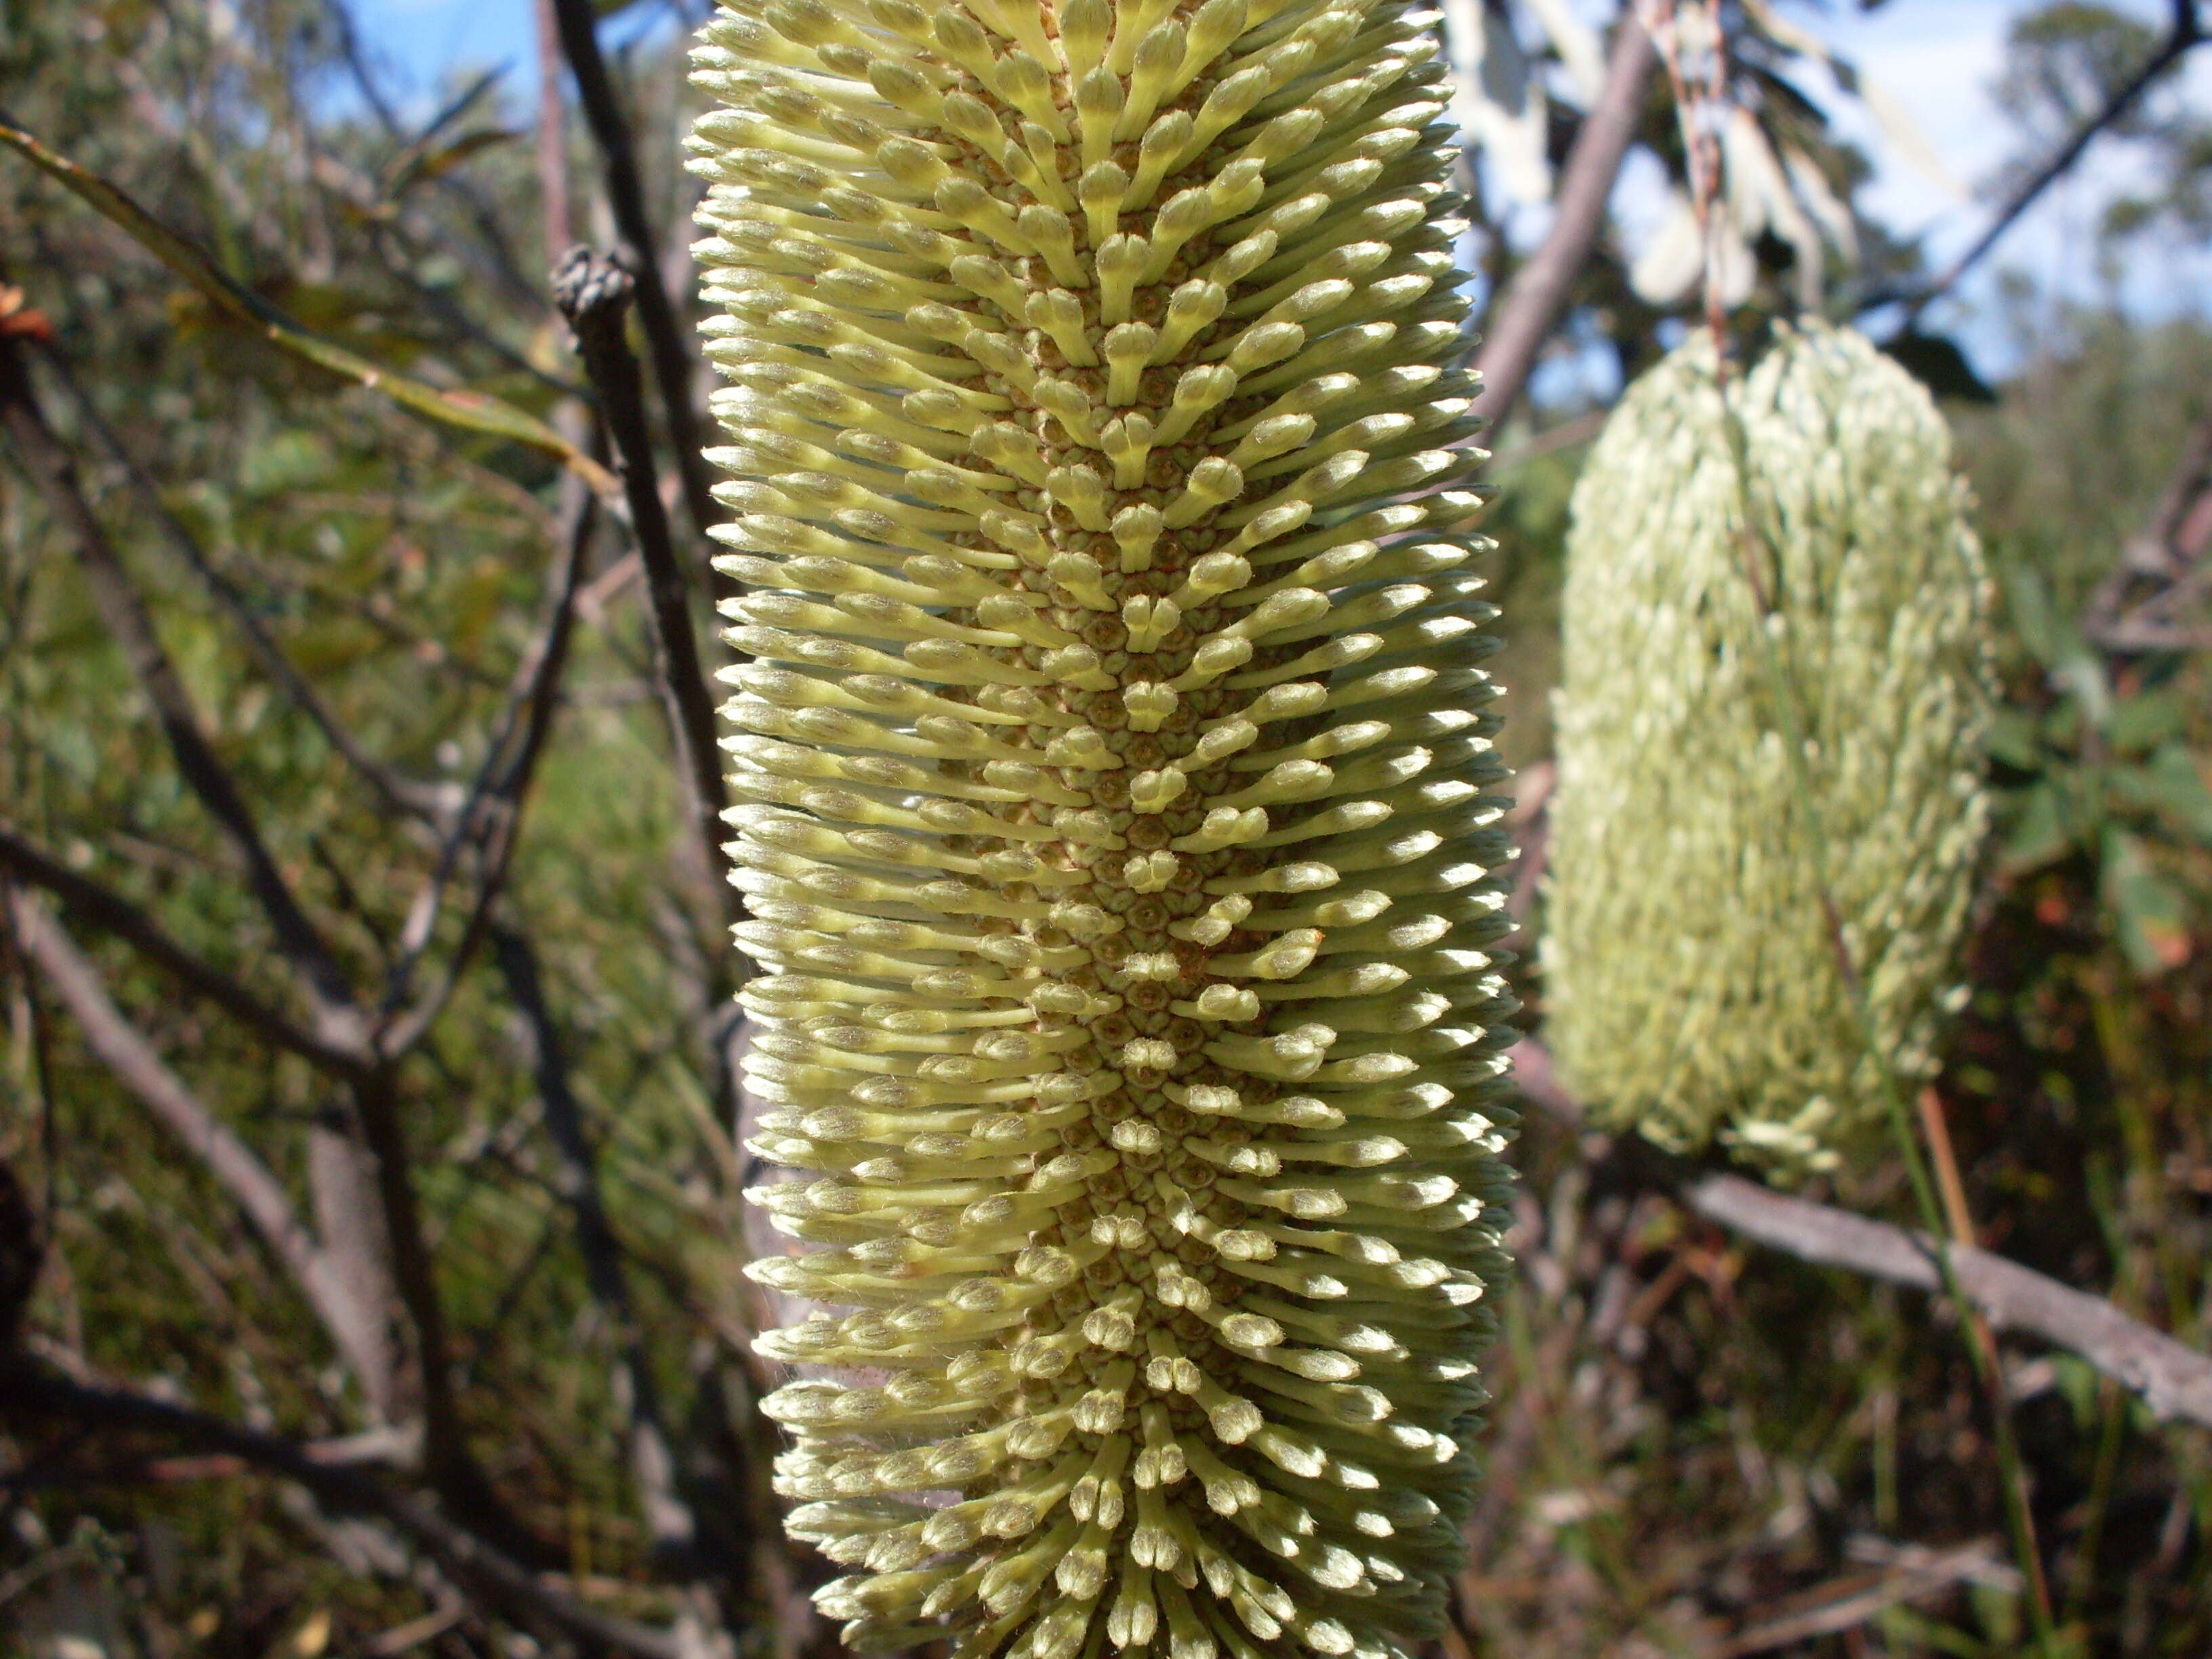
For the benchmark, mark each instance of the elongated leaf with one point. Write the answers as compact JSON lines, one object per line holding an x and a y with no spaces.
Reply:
{"x":2170,"y":785}
{"x":2039,"y":833}
{"x":2151,"y":914}
{"x":2141,"y":723}
{"x":436,"y":163}
{"x":469,"y":412}
{"x":2016,"y":739}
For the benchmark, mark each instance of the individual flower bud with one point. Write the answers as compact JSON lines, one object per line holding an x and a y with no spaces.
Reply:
{"x":1700,"y":873}
{"x":1116,"y":793}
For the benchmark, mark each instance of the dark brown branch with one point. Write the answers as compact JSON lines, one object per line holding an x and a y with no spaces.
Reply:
{"x":594,"y":293}
{"x":490,"y":821}
{"x":398,"y":793}
{"x":113,"y":913}
{"x":495,"y":1581}
{"x":2175,"y":1381}
{"x":2186,"y":32}
{"x":664,"y":333}
{"x":126,"y":614}
{"x":373,"y":1124}
{"x":1530,"y":309}
{"x":448,"y":1464}
{"x":339,"y":1138}
{"x":488,"y":827}
{"x":668,"y":1521}
{"x":358,"y":1329}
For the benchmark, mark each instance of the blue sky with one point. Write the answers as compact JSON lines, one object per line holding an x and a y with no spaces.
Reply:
{"x":1934,"y":58}
{"x":423,"y":37}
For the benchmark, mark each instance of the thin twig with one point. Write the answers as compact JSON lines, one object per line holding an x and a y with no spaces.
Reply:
{"x":491,"y":820}
{"x":470,"y":411}
{"x":398,"y":794}
{"x":2174,"y":1380}
{"x":668,"y":1518}
{"x":111,"y":912}
{"x":494,"y":1580}
{"x":552,"y":137}
{"x":127,"y":619}
{"x":358,"y":1330}
{"x":1537,"y":296}
{"x":2184,"y":33}
{"x":664,"y":334}
{"x":1937,"y":1127}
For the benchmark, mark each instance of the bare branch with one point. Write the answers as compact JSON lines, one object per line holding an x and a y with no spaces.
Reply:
{"x":356,"y":1272}
{"x":664,"y":334}
{"x":450,"y":1465}
{"x":491,"y":817}
{"x":397,"y":794}
{"x":2159,"y":559}
{"x":2186,"y":32}
{"x":668,"y":1521}
{"x":594,"y":293}
{"x":359,"y":1266}
{"x":494,"y":1580}
{"x":1534,"y":300}
{"x":2175,"y":1381}
{"x":358,"y":1329}
{"x":487,"y":827}
{"x":116,"y":914}
{"x":124,"y":612}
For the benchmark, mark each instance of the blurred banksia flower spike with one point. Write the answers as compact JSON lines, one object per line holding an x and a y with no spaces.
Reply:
{"x":1692,"y":982}
{"x":1113,"y":768}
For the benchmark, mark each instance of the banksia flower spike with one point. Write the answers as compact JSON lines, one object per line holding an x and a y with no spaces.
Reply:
{"x":1692,"y":982}
{"x":1114,"y":774}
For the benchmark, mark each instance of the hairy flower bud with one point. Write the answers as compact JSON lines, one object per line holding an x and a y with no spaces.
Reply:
{"x":1692,"y":984}
{"x":1115,"y":801}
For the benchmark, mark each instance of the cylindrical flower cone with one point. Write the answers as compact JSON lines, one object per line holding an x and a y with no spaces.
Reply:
{"x":1692,"y":986}
{"x":1116,"y":811}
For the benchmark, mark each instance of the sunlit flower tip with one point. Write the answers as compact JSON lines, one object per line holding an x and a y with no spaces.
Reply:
{"x":1116,"y":807}
{"x":1692,"y":984}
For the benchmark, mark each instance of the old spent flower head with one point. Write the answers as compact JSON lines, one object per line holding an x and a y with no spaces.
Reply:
{"x":1692,"y":985}
{"x":1115,"y":781}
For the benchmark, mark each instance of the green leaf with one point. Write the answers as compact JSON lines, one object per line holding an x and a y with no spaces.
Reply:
{"x":2142,"y":722}
{"x":2151,"y":914}
{"x":2040,"y":834}
{"x":1938,"y":364}
{"x":2015,"y":738}
{"x":436,"y":163}
{"x":469,"y":411}
{"x":2175,"y":789}
{"x":285,"y":462}
{"x":2034,"y":618}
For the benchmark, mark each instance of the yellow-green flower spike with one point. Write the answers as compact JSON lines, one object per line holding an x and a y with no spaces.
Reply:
{"x":1116,"y":809}
{"x":1692,"y":983}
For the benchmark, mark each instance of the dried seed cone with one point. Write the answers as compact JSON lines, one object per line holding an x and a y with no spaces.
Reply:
{"x":1115,"y":773}
{"x":1692,"y":986}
